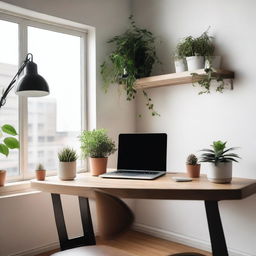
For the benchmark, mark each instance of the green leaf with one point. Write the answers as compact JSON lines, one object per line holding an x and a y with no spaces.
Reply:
{"x":230,"y":149}
{"x":229,"y":159}
{"x":11,"y":142}
{"x":4,"y":150}
{"x":207,"y":150}
{"x":232,"y":155}
{"x":7,"y":128}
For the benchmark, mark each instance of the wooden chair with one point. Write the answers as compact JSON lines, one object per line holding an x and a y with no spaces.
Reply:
{"x":114,"y":217}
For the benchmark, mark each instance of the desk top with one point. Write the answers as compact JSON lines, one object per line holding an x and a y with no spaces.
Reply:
{"x":161,"y":188}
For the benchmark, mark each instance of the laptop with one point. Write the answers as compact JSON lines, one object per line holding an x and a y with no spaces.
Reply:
{"x":140,"y":156}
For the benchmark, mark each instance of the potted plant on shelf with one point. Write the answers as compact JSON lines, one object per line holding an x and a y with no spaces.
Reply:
{"x":180,"y":64}
{"x":195,"y":50}
{"x":67,"y":163}
{"x":193,"y":167}
{"x":220,"y":159}
{"x":98,"y":146}
{"x":40,"y":172}
{"x":188,"y":49}
{"x":133,"y":57}
{"x":206,"y":42}
{"x":8,"y":143}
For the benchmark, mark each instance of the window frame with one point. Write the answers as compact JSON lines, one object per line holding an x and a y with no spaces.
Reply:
{"x":23,"y":23}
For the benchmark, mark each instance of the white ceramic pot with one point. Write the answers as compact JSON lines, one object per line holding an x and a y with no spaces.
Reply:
{"x":220,"y":173}
{"x":180,"y":65}
{"x":67,"y":170}
{"x":195,"y":62}
{"x":213,"y":61}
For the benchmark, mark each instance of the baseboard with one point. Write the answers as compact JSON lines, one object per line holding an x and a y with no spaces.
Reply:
{"x":38,"y":250}
{"x":178,"y":238}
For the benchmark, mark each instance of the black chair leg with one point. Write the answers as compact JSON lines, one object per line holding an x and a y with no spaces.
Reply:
{"x":88,"y":238}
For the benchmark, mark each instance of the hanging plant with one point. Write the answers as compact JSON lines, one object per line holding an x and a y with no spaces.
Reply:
{"x":133,"y":58}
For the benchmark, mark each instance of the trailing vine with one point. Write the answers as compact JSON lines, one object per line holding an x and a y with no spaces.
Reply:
{"x":206,"y":80}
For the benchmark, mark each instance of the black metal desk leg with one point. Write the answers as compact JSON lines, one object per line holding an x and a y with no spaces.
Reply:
{"x":219,"y":247}
{"x":88,"y":238}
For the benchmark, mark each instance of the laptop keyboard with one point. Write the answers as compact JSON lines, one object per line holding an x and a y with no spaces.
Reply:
{"x":129,"y":173}
{"x":133,"y":174}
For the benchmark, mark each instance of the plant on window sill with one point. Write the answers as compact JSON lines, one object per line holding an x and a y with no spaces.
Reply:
{"x":7,"y":143}
{"x":133,"y":58}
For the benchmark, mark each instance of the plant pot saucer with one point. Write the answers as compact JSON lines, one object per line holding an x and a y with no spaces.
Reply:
{"x":220,"y":181}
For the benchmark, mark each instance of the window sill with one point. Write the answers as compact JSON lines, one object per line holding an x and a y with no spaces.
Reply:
{"x":17,"y":189}
{"x":20,"y":188}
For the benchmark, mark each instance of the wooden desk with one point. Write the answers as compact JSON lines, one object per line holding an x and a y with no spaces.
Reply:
{"x":162,"y":188}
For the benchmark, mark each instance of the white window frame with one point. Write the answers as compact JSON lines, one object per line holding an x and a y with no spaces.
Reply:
{"x":56,"y":25}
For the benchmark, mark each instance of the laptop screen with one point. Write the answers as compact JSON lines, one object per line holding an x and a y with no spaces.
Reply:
{"x":142,"y":151}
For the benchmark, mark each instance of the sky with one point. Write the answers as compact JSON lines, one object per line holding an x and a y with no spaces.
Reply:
{"x":58,"y":58}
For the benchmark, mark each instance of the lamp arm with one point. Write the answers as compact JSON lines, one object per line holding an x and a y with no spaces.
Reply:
{"x":28,"y":58}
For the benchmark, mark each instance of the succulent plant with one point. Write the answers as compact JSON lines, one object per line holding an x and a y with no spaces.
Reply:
{"x":39,"y":167}
{"x":192,"y":160}
{"x":219,"y":153}
{"x":67,"y":155}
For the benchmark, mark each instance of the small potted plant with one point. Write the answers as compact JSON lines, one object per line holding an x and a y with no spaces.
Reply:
{"x":98,"y":146}
{"x":206,"y":43}
{"x":67,"y":163}
{"x":180,"y":64}
{"x":188,"y":49}
{"x":220,"y":160}
{"x":40,"y":172}
{"x":193,"y":167}
{"x":8,"y":143}
{"x":195,"y":50}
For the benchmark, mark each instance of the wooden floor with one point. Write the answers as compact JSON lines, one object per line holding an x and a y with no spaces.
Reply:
{"x":144,"y":245}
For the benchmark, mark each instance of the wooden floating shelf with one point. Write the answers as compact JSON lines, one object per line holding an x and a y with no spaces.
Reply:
{"x":178,"y":78}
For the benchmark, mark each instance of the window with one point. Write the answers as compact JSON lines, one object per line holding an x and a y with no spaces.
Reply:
{"x":8,"y":67}
{"x":50,"y":123}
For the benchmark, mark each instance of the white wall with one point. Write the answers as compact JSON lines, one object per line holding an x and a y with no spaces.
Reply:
{"x":27,"y":221}
{"x":192,"y":122}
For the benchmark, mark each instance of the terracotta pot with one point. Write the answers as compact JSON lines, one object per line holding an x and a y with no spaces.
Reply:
{"x":193,"y":171}
{"x":67,"y":170}
{"x":98,"y":165}
{"x":220,"y":173}
{"x":40,"y":174}
{"x":2,"y":177}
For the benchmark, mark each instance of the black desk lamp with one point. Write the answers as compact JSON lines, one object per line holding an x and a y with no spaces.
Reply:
{"x":31,"y":84}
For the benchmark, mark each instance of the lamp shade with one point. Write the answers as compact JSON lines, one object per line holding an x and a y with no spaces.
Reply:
{"x":32,"y":84}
